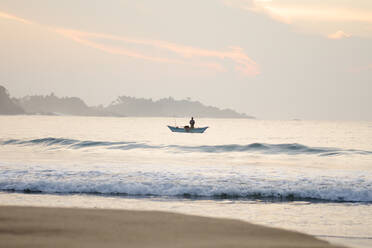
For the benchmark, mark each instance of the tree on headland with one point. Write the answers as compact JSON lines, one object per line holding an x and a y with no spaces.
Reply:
{"x":122,"y":106}
{"x":7,"y":105}
{"x":168,"y":107}
{"x":54,"y":105}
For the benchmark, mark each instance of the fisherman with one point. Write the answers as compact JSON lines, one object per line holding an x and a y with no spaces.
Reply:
{"x":192,"y":122}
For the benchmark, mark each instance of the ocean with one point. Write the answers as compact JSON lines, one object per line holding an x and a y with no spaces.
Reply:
{"x":309,"y":176}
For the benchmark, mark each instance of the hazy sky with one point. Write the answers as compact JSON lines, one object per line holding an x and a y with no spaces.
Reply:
{"x":278,"y":59}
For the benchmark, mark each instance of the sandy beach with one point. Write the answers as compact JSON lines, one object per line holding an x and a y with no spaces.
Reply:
{"x":72,"y":227}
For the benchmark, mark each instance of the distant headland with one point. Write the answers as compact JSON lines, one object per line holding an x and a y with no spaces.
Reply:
{"x":123,"y":106}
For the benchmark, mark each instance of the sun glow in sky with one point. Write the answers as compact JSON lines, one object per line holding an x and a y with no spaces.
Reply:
{"x":319,"y":15}
{"x":275,"y":59}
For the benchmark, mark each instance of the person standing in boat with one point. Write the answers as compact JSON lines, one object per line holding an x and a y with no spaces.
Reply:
{"x":192,"y":122}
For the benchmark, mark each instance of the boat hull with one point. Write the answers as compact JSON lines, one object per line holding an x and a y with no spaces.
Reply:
{"x":187,"y":130}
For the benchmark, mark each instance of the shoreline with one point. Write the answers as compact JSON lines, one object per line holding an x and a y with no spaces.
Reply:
{"x":79,"y":227}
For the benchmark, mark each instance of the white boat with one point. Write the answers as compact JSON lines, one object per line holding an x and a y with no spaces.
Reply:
{"x":187,"y":129}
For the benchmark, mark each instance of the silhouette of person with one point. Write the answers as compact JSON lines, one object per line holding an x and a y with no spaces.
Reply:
{"x":192,"y":122}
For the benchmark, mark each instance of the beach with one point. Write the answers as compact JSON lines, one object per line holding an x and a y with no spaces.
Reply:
{"x":76,"y":227}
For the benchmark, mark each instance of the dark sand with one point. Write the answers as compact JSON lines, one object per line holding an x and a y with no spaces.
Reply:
{"x":71,"y":227}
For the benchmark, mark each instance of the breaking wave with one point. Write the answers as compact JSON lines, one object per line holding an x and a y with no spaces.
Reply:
{"x":291,"y":149}
{"x":339,"y":186}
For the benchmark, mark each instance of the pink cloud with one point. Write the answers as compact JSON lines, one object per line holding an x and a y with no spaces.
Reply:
{"x":313,"y":16}
{"x":338,"y":35}
{"x":14,"y":18}
{"x":157,"y":50}
{"x":294,"y":11}
{"x":186,"y":54}
{"x":361,"y":68}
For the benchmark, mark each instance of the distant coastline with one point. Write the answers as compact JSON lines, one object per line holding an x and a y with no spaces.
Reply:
{"x":123,"y":106}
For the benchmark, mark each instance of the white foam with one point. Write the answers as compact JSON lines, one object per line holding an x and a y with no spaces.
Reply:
{"x":248,"y":181}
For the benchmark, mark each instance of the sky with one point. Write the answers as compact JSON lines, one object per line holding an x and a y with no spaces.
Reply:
{"x":273,"y":59}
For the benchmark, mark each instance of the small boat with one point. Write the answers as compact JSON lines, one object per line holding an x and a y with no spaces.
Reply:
{"x":187,"y":129}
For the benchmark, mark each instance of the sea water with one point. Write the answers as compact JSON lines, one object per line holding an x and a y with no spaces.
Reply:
{"x":309,"y":176}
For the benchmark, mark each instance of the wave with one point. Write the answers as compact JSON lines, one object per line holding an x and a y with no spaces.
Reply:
{"x":291,"y":149}
{"x":341,"y":186}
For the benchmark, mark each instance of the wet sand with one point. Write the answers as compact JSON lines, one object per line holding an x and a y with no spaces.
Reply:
{"x":72,"y":227}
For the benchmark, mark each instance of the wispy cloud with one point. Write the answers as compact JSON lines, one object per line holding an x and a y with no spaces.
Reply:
{"x":289,"y":11}
{"x":310,"y":13}
{"x":157,"y":50}
{"x":298,"y":12}
{"x":338,"y":35}
{"x":14,"y":18}
{"x":361,"y":68}
{"x":186,"y":54}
